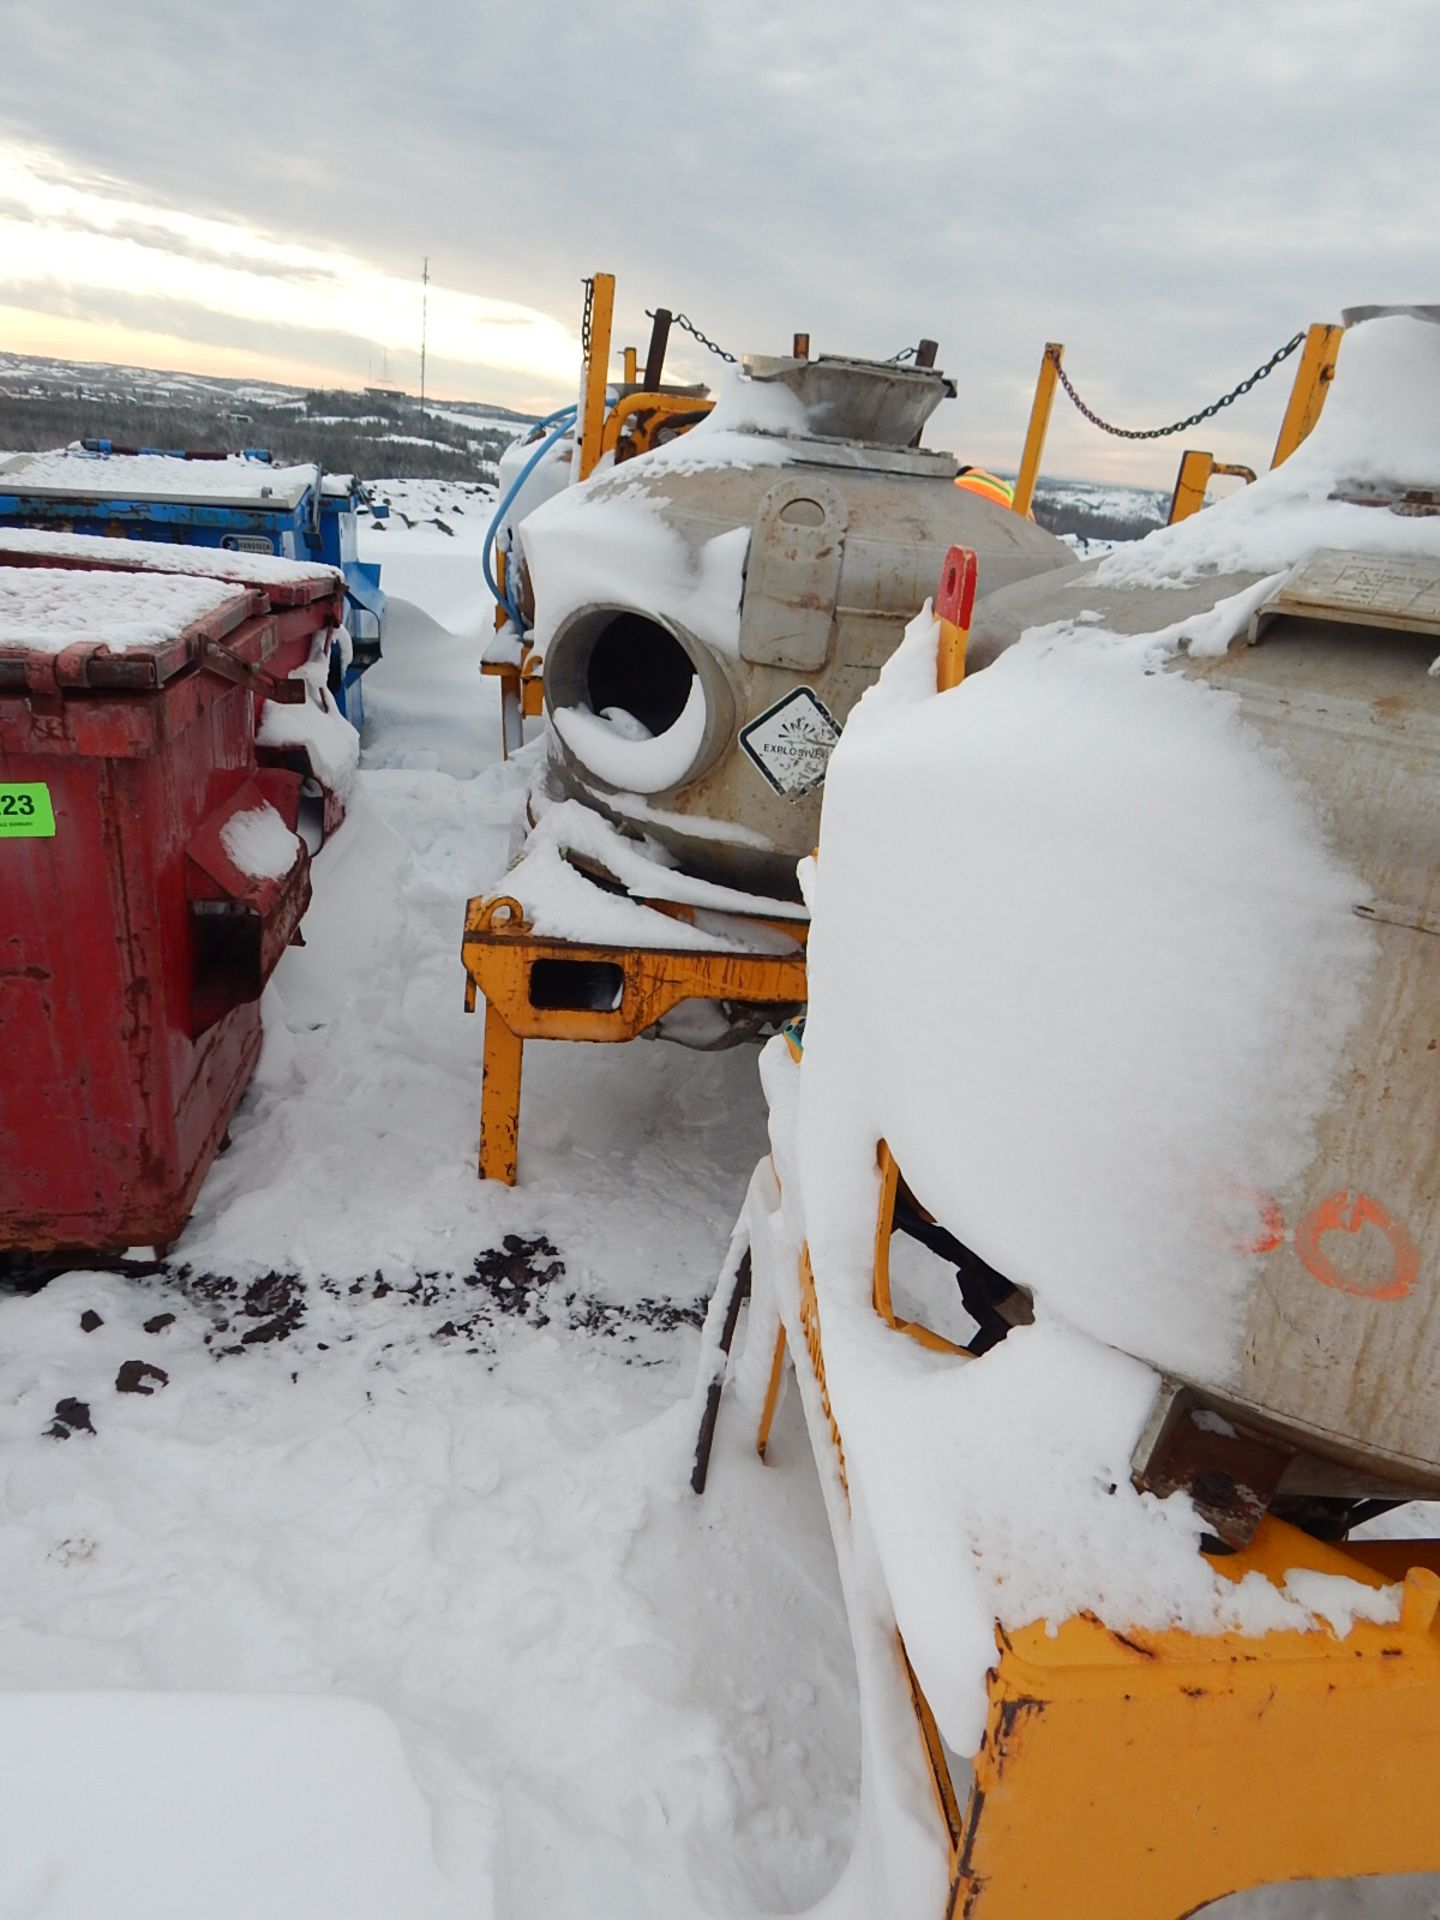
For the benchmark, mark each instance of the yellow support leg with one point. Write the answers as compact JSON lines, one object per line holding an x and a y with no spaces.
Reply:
{"x":596,"y":372}
{"x":1192,"y":482}
{"x":1312,"y":384}
{"x":1039,"y":426}
{"x":772,"y":1393}
{"x":954,"y":606}
{"x":500,"y":1101}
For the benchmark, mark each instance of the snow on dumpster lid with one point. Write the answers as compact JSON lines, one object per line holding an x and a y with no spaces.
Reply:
{"x":48,"y":609}
{"x":160,"y":478}
{"x":26,"y":544}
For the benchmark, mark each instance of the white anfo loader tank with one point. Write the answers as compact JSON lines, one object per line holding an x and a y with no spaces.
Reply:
{"x":710,"y":612}
{"x":1330,"y":570}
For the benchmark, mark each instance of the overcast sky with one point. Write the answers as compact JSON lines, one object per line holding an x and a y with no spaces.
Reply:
{"x":1170,"y":190}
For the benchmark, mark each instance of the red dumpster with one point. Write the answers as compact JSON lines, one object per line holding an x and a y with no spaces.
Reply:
{"x":307,"y":599}
{"x":150,"y":878}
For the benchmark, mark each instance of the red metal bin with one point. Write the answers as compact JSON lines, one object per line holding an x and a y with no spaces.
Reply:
{"x":307,"y":599}
{"x":147,"y":890}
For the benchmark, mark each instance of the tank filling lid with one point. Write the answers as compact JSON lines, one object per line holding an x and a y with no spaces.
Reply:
{"x":873,"y":402}
{"x":1355,"y":316}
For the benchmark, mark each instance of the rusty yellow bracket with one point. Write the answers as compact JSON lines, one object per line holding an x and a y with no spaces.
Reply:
{"x":880,"y":1284}
{"x":1149,"y":1774}
{"x":1039,"y":426}
{"x":649,"y":412}
{"x":1312,"y":385}
{"x":536,"y":987}
{"x":1193,"y":482}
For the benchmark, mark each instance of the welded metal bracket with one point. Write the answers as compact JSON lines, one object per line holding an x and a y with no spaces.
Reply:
{"x":537,"y":987}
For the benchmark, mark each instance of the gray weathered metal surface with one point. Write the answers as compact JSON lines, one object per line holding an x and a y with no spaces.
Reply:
{"x":1340,"y":1351}
{"x":1342,"y":1339}
{"x":828,"y":592}
{"x":792,"y":586}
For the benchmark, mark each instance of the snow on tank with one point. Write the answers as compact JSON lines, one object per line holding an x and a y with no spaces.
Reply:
{"x":711,"y":611}
{"x":1164,"y":872}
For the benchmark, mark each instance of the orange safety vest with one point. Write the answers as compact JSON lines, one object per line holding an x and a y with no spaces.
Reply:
{"x":988,"y":485}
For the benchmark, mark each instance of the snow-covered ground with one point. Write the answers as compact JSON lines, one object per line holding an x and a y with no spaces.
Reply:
{"x":380,"y":1433}
{"x":403,"y":1437}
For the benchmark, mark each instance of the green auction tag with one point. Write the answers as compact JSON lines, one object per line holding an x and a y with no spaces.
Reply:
{"x":25,"y":810}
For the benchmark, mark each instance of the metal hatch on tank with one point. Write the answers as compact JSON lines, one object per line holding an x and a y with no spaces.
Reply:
{"x":838,"y":521}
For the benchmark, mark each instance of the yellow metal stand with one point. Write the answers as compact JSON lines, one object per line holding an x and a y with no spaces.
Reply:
{"x":539,"y":988}
{"x":1193,"y":482}
{"x":954,"y":608}
{"x":1143,"y":1775}
{"x":1039,"y":426}
{"x":1146,"y":1775}
{"x":1312,"y":385}
{"x":1150,"y":1774}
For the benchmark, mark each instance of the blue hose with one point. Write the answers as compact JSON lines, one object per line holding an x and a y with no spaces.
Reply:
{"x":566,"y":418}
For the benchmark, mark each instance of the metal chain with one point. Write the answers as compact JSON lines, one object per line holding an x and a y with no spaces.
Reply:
{"x":899,"y":359}
{"x":589,"y":286}
{"x":1194,"y":419}
{"x":683,"y":320}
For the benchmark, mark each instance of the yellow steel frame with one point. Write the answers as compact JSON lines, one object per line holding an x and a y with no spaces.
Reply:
{"x":1039,"y":426}
{"x":522,"y":695}
{"x":1192,"y":482}
{"x":1307,"y":399}
{"x":1147,"y":1774}
{"x":501,"y":952}
{"x":1312,"y":385}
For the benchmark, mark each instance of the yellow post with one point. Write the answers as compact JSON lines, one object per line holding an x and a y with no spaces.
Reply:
{"x":954,"y":606}
{"x":500,"y":1101}
{"x":1039,"y":426}
{"x":1312,"y":383}
{"x":631,"y":369}
{"x":595,"y":372}
{"x":772,"y":1393}
{"x":1190,"y":484}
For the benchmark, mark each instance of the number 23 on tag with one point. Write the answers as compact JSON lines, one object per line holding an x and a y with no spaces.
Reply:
{"x":25,"y":810}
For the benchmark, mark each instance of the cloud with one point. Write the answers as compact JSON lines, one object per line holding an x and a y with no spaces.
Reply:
{"x":205,"y":275}
{"x":1172,"y":192}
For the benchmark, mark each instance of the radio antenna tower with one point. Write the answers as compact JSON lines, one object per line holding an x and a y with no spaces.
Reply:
{"x":424,"y":327}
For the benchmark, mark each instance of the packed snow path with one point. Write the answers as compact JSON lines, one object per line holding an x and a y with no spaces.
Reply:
{"x":355,"y":1465}
{"x":381,"y":1433}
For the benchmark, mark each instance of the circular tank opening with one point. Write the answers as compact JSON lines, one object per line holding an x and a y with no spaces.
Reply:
{"x":638,"y":666}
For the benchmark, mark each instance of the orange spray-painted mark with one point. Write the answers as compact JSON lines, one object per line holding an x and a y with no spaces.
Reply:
{"x":1348,"y":1212}
{"x":1241,"y":1218}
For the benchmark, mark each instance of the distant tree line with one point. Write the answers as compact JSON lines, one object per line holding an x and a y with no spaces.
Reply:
{"x":30,"y":423}
{"x":1069,"y":516}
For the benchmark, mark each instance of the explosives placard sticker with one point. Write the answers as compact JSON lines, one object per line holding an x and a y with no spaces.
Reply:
{"x":791,"y":742}
{"x":25,"y":810}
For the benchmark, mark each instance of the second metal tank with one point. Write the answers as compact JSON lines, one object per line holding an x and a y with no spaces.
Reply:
{"x":838,"y":522}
